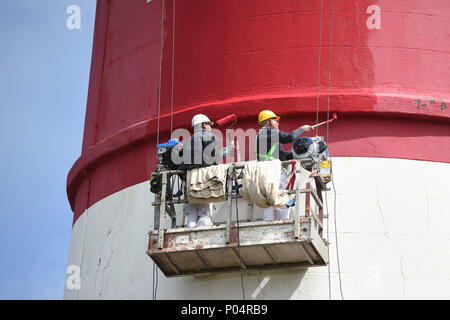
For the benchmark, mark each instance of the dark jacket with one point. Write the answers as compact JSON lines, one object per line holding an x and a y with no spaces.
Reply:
{"x":269,"y":137}
{"x":201,"y":150}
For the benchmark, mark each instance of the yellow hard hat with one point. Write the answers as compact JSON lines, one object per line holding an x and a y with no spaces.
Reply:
{"x":265,"y":115}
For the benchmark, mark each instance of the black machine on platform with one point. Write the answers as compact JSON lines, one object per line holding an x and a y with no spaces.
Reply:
{"x":311,"y":147}
{"x":164,"y":152}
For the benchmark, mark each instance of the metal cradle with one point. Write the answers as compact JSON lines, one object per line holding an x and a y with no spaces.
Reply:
{"x":296,"y":242}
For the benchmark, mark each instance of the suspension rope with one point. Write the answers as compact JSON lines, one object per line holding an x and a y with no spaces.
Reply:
{"x":329,"y":71}
{"x":155,"y":269}
{"x":160,"y":72}
{"x":336,"y":236}
{"x":328,"y":244}
{"x":332,"y":177}
{"x":239,"y":246}
{"x":173,"y":68}
{"x":155,"y":284}
{"x":318,"y":68}
{"x":153,"y":281}
{"x":327,"y":137}
{"x":328,"y":124}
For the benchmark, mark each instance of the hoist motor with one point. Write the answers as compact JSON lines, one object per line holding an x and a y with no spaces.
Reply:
{"x":164,"y":151}
{"x":311,"y":147}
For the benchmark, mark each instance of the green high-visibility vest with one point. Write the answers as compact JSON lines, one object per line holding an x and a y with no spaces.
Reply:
{"x":269,"y":155}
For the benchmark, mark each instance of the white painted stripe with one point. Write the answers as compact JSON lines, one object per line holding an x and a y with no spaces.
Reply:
{"x":392,"y":221}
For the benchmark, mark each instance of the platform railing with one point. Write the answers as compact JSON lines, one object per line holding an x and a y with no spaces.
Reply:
{"x":164,"y":202}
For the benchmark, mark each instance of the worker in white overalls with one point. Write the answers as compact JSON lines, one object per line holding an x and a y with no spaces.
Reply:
{"x":200,"y":214}
{"x":268,"y":146}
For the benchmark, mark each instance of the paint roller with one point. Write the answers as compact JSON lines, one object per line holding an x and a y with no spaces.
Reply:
{"x":227,"y":120}
{"x":319,"y":124}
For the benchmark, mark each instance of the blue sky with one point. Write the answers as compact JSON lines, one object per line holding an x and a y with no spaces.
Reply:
{"x":44,"y":78}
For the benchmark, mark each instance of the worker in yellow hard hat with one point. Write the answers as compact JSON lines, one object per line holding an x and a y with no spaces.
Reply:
{"x":266,"y":115}
{"x":268,"y":146}
{"x":271,"y":138}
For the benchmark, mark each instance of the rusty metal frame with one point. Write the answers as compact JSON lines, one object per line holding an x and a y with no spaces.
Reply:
{"x":164,"y":205}
{"x":205,"y":249}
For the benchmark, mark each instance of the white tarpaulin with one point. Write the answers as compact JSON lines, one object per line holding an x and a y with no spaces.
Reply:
{"x":207,"y":184}
{"x":260,"y":183}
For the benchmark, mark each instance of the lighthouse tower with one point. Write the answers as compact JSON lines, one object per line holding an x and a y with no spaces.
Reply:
{"x":382,"y":66}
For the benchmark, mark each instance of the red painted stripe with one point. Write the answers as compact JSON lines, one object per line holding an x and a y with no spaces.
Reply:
{"x":389,"y":87}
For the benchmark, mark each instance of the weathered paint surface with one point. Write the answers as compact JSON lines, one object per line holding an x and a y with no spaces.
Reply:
{"x":389,"y":86}
{"x":392,"y":220}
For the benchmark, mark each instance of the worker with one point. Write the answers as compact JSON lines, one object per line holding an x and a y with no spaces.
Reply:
{"x":202,"y":150}
{"x":268,"y":146}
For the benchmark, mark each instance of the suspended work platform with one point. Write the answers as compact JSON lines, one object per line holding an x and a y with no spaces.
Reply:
{"x":263,"y":245}
{"x":236,"y":245}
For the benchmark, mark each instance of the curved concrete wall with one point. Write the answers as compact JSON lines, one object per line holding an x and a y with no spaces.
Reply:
{"x":389,"y":80}
{"x":392,"y":217}
{"x":389,"y":86}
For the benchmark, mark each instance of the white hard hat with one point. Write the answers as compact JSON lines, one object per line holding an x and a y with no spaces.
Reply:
{"x":199,"y":119}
